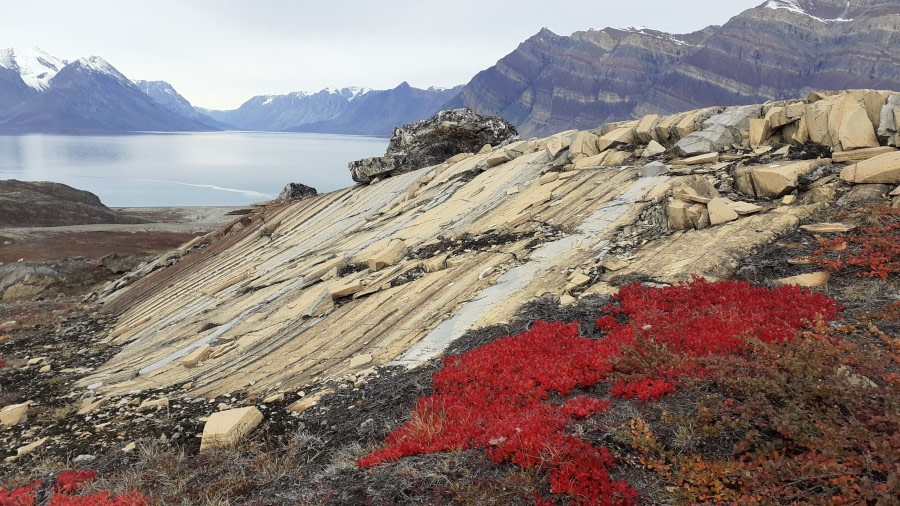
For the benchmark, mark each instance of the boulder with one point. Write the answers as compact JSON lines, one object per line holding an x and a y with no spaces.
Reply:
{"x":686,"y":216}
{"x":865,"y":193}
{"x":432,"y":141}
{"x":889,"y":120}
{"x":664,"y":129}
{"x":653,"y":148}
{"x":583,"y":143}
{"x":720,"y":212}
{"x":296,"y":191}
{"x":774,"y":181}
{"x":390,"y":255}
{"x":225,"y":429}
{"x":759,"y":132}
{"x":618,"y":137}
{"x":14,"y":414}
{"x":817,"y":114}
{"x":857,"y":131}
{"x":696,"y":189}
{"x":553,"y":146}
{"x":693,"y":121}
{"x":796,"y":133}
{"x":645,"y":131}
{"x":719,"y":131}
{"x":880,"y":169}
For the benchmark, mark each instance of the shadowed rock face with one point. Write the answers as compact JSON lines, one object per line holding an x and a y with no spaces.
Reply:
{"x":42,"y":204}
{"x":432,"y":141}
{"x":297,"y":191}
{"x":774,"y":51}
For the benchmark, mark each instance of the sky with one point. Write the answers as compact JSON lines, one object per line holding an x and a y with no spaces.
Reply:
{"x":219,"y":53}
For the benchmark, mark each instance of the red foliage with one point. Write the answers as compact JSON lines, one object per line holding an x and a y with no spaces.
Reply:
{"x":22,"y":496}
{"x":874,"y":249}
{"x":496,"y":396}
{"x":70,"y":482}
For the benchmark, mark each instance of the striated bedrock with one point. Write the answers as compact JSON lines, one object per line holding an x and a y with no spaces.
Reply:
{"x":777,"y":50}
{"x":333,"y":285}
{"x":44,"y":204}
{"x":433,"y":140}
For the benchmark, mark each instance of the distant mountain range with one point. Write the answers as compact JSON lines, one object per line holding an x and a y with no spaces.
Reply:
{"x":41,"y":93}
{"x":550,"y":82}
{"x":780,"y":49}
{"x":358,"y":111}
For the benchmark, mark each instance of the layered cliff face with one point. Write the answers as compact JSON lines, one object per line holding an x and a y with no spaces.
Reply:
{"x":779,"y":49}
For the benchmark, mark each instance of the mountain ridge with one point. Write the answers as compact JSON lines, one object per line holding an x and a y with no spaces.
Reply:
{"x":779,"y":49}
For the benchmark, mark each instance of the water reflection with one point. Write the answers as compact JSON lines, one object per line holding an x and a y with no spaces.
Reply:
{"x":221,"y":168}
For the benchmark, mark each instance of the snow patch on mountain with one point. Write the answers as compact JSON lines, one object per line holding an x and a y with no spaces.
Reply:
{"x":100,"y":66}
{"x":794,"y":6}
{"x":35,"y":66}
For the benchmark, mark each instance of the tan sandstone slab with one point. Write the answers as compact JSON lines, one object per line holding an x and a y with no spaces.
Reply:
{"x":14,"y":414}
{"x":720,"y":212}
{"x":880,"y":169}
{"x":348,"y":289}
{"x":197,"y":356}
{"x":653,"y":148}
{"x":618,"y":137}
{"x":776,"y":180}
{"x":225,"y":429}
{"x":825,"y":228}
{"x":583,"y":143}
{"x":700,"y":159}
{"x":860,"y":154}
{"x":390,"y":255}
{"x":813,"y":279}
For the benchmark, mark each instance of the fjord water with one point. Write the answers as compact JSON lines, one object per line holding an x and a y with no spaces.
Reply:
{"x":186,"y":169}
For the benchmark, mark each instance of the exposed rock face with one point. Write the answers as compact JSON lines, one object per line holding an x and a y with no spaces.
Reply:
{"x":43,"y":204}
{"x":771,"y":52}
{"x":432,"y":141}
{"x":297,"y":191}
{"x":392,"y":272}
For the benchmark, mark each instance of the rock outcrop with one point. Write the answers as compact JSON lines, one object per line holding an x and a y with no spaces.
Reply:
{"x":43,"y":204}
{"x":296,"y":191}
{"x":393,"y":271}
{"x":432,"y":141}
{"x":774,"y":51}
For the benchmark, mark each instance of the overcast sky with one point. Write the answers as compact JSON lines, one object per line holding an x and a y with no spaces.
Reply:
{"x":219,"y":53}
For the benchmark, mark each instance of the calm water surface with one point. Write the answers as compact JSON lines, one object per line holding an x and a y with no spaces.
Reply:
{"x":190,"y":169}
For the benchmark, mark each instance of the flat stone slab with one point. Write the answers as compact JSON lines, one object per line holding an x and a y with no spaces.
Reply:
{"x":225,"y":429}
{"x":825,"y":228}
{"x":812,"y":279}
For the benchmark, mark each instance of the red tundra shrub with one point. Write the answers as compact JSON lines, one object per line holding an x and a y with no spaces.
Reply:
{"x":496,"y":397}
{"x":22,"y":496}
{"x":70,"y":482}
{"x":873,"y":250}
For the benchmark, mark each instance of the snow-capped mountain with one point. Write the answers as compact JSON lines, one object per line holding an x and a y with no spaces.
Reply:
{"x":279,"y":112}
{"x":34,"y":66}
{"x":378,"y":112}
{"x":351,"y":110}
{"x":165,"y":95}
{"x":41,"y":93}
